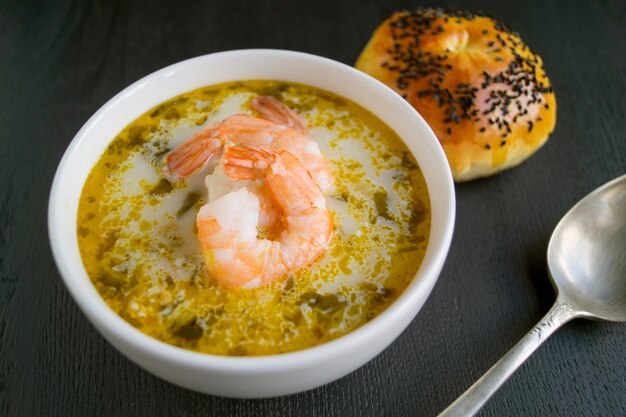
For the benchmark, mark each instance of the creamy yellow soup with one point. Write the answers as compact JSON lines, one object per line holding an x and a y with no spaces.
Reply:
{"x":138,"y":241}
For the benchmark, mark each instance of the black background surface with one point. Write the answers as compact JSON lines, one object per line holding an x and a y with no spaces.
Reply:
{"x":60,"y":61}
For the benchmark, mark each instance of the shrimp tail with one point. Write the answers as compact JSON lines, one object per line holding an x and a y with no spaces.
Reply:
{"x":193,"y":155}
{"x":278,"y":112}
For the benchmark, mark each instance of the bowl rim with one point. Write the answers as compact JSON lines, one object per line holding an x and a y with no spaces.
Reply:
{"x":109,"y":322}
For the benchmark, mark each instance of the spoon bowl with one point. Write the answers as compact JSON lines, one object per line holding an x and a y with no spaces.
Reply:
{"x":587,"y":254}
{"x":587,"y":265}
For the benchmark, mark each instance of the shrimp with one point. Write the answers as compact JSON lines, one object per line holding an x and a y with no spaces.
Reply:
{"x":228,"y":226}
{"x":281,"y":129}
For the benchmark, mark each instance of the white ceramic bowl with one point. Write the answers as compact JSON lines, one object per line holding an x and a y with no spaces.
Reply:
{"x":265,"y":376}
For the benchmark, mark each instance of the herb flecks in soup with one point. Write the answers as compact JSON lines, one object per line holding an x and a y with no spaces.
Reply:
{"x":138,"y":236}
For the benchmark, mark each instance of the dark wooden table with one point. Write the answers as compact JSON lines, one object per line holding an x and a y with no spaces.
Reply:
{"x":60,"y":62}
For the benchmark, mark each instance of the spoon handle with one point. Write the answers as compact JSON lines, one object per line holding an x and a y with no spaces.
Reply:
{"x":478,"y":394}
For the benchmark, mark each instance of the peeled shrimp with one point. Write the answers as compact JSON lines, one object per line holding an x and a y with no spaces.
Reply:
{"x":228,"y":226}
{"x":281,"y":129}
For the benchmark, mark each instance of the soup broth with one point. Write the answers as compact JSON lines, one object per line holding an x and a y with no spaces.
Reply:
{"x":138,"y":240}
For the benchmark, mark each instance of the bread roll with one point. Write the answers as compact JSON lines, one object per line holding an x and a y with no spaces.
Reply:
{"x":480,"y":88}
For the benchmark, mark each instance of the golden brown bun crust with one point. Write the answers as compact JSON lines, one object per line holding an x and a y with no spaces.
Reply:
{"x":480,"y":88}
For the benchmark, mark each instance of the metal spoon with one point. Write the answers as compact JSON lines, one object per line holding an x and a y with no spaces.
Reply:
{"x":587,"y":264}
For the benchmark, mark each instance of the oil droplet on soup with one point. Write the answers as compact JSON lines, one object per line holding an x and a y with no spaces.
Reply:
{"x":137,"y":237}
